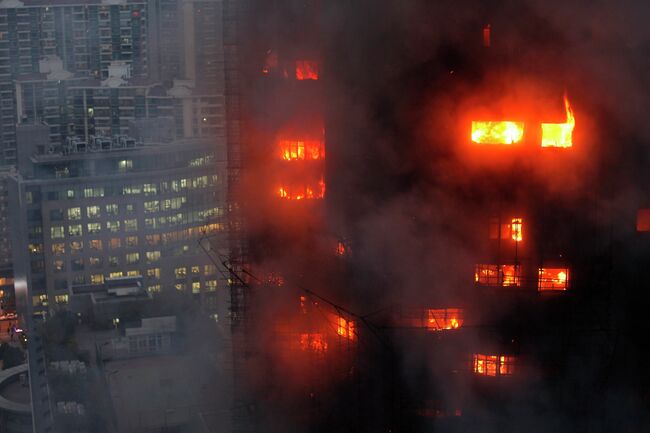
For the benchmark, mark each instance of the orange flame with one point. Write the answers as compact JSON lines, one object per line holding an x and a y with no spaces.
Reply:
{"x":346,"y":328}
{"x":553,"y":279}
{"x":444,"y":318}
{"x":493,"y":365}
{"x":306,"y":70}
{"x":302,"y":192}
{"x":489,"y":132}
{"x":299,"y":150}
{"x":515,"y":229}
{"x":313,"y":343}
{"x":559,"y":134}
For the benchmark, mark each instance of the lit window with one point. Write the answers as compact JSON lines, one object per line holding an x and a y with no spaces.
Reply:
{"x":153,"y":256}
{"x":131,"y":225}
{"x":93,"y":212}
{"x":180,"y":287}
{"x":75,"y":230}
{"x":298,"y":150}
{"x":35,"y":248}
{"x":57,"y":232}
{"x":553,"y":279}
{"x":113,"y":261}
{"x":93,"y":192}
{"x":39,"y":301}
{"x":115,"y":243}
{"x":117,"y":274}
{"x":76,"y":247}
{"x":196,"y":269}
{"x":74,"y":213}
{"x":151,"y":206}
{"x":132,"y":258}
{"x":131,"y":241}
{"x":196,"y":287}
{"x":345,"y":328}
{"x":152,"y":239}
{"x":153,"y":273}
{"x":643,"y":220}
{"x":211,"y":285}
{"x":97,"y":279}
{"x":58,"y":265}
{"x":95,"y":262}
{"x":180,"y":272}
{"x":209,"y":270}
{"x":58,"y":248}
{"x":113,"y":226}
{"x":95,"y":244}
{"x":94,"y":228}
{"x":493,"y":365}
{"x":124,"y":165}
{"x":133,"y":273}
{"x":150,"y":189}
{"x":489,"y":132}
{"x":154,"y":288}
{"x":61,"y":299}
{"x":111,"y":209}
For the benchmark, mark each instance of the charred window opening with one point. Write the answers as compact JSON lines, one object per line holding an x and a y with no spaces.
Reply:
{"x":300,"y":150}
{"x":491,"y":132}
{"x":513,"y":229}
{"x":643,"y":220}
{"x":493,"y":365}
{"x":306,"y":70}
{"x":498,"y":275}
{"x":553,"y":279}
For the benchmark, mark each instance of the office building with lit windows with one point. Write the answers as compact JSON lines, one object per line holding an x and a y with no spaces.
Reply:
{"x":90,"y":215}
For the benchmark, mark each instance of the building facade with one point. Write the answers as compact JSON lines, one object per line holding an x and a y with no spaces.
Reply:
{"x":119,"y":212}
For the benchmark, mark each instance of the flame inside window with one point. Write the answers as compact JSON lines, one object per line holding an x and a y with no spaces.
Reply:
{"x":300,"y":150}
{"x":505,"y":231}
{"x":306,"y":70}
{"x":340,"y":249}
{"x":346,"y":328}
{"x":643,"y":220}
{"x":553,"y":279}
{"x":444,"y":318}
{"x":493,"y":365}
{"x":313,"y":343}
{"x":302,"y":191}
{"x":498,"y":275}
{"x":488,"y":132}
{"x":559,"y":134}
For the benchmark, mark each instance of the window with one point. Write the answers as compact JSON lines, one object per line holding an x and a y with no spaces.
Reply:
{"x":58,"y":265}
{"x":153,"y":256}
{"x":124,"y":165}
{"x":93,"y":192}
{"x":196,"y":287}
{"x":97,"y":279}
{"x":152,"y":239}
{"x":498,"y":275}
{"x":35,"y":248}
{"x":113,"y":261}
{"x":150,"y":189}
{"x":196,"y":270}
{"x":56,"y":232}
{"x":180,"y":287}
{"x":56,"y":215}
{"x":77,"y":264}
{"x":132,"y":258}
{"x":211,"y":285}
{"x":209,"y":270}
{"x":129,"y":209}
{"x":95,"y":244}
{"x":151,"y":206}
{"x":58,"y":249}
{"x":39,"y":301}
{"x":93,"y":212}
{"x":180,"y":272}
{"x":131,"y":225}
{"x":154,"y":288}
{"x":131,"y":241}
{"x":111,"y":209}
{"x":76,"y":247}
{"x":74,"y":213}
{"x":70,"y":194}
{"x":553,"y":279}
{"x":75,"y":230}
{"x":643,"y":220}
{"x":61,"y":299}
{"x":95,"y":262}
{"x":115,"y":243}
{"x":512,"y":229}
{"x":132,"y":273}
{"x":493,"y":365}
{"x":153,"y":273}
{"x":444,"y":318}
{"x":113,"y":226}
{"x":94,"y":228}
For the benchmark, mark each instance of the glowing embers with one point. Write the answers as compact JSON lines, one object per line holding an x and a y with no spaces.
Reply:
{"x":345,"y":328}
{"x":551,"y":279}
{"x":559,"y":134}
{"x":296,"y":191}
{"x":498,"y":275}
{"x":340,"y":249}
{"x":643,"y":220}
{"x":444,"y":319}
{"x":306,"y":70}
{"x":313,"y":342}
{"x":493,"y":365}
{"x":300,"y":150}
{"x":489,"y":132}
{"x":506,"y":231}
